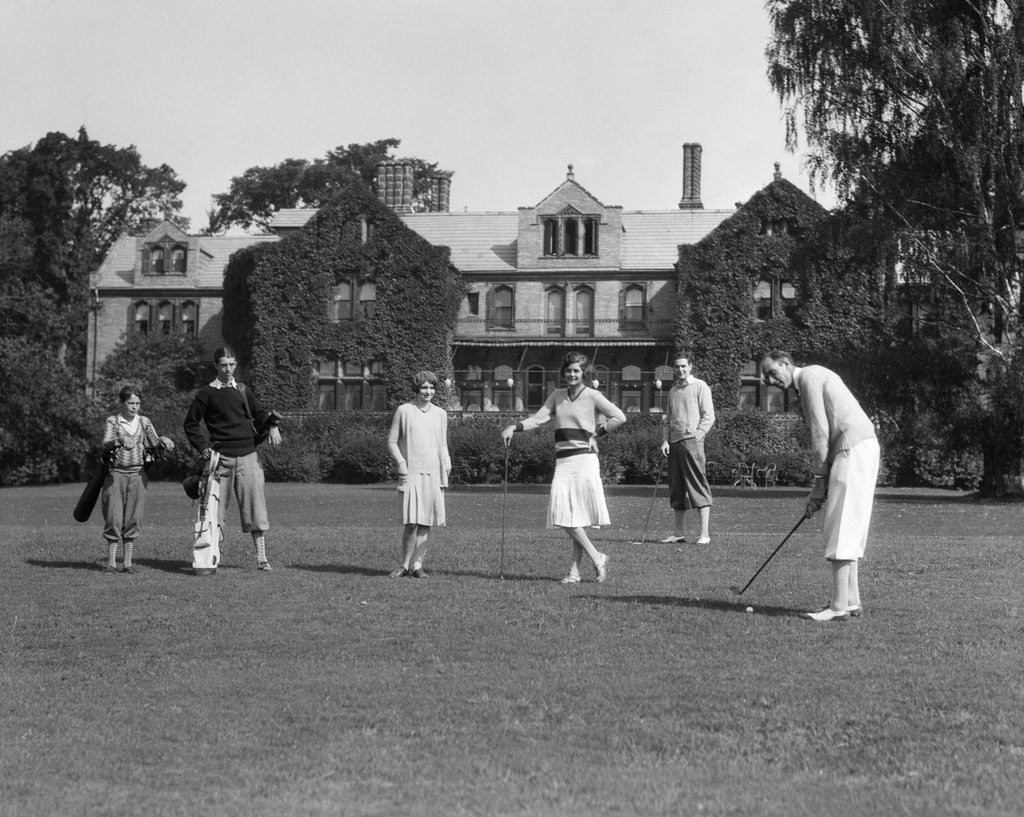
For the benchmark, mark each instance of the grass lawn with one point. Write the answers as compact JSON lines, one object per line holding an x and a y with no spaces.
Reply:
{"x":325,"y":688}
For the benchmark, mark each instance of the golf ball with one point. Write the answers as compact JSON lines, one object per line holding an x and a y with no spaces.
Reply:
{"x":750,"y":609}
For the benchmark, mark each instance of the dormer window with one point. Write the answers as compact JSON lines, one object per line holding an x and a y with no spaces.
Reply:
{"x":164,"y":257}
{"x":778,"y":226}
{"x":569,"y":234}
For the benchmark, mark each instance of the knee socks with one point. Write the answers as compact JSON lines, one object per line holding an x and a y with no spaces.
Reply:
{"x":260,"y":541}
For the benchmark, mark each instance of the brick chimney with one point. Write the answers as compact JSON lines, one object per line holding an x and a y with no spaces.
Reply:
{"x":691,"y":177}
{"x":440,"y":192}
{"x":395,"y":184}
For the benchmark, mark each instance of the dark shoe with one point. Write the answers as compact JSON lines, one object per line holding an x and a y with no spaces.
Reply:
{"x":418,"y":573}
{"x":855,"y":610}
{"x":398,"y":572}
{"x":264,"y":566}
{"x":130,"y":569}
{"x":828,"y":614}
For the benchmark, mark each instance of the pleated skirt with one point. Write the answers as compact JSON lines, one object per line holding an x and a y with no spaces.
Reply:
{"x":422,"y":500}
{"x":577,"y":495}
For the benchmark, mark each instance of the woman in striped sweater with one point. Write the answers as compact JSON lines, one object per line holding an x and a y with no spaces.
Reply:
{"x":577,"y":495}
{"x":129,"y":437}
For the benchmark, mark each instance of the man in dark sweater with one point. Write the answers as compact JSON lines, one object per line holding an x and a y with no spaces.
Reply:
{"x":222,"y":416}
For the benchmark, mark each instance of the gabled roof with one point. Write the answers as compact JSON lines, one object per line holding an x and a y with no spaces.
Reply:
{"x":575,"y":187}
{"x":486,"y":241}
{"x":118,"y":268}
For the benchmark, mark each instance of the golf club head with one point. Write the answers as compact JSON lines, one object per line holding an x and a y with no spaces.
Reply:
{"x":736,"y":589}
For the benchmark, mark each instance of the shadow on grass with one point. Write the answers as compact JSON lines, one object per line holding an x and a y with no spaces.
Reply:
{"x":373,"y":572}
{"x":166,"y":565}
{"x":701,"y":604}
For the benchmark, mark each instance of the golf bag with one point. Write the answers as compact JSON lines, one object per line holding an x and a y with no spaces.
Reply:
{"x":91,"y":492}
{"x":206,"y":548}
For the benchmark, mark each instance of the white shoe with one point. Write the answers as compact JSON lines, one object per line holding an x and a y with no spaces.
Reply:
{"x":671,"y":540}
{"x":572,"y":578}
{"x":828,"y":614}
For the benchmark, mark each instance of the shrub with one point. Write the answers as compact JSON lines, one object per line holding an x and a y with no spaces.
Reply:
{"x":360,"y":458}
{"x":290,"y":463}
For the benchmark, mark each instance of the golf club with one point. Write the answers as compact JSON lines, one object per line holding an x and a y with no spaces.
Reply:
{"x":504,"y":495}
{"x":763,"y":566}
{"x":650,"y":510}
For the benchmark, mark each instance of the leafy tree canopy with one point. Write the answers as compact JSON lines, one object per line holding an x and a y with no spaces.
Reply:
{"x":63,"y":202}
{"x":914,"y":110}
{"x":256,"y":194}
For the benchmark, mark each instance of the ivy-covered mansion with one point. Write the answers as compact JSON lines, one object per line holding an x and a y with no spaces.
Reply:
{"x":341,"y":295}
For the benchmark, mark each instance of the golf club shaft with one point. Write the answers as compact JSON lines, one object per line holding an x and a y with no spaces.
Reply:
{"x":800,"y":521}
{"x":504,"y":495}
{"x":650,"y":510}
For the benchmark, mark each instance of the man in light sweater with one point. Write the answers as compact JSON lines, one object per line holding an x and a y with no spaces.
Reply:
{"x":688,"y":419}
{"x":845,"y":456}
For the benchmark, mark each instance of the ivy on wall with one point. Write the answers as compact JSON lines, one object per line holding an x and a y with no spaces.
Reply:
{"x":276,"y":302}
{"x":718,"y":276}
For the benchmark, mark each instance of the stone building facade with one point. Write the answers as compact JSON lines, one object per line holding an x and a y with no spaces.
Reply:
{"x":567,"y":273}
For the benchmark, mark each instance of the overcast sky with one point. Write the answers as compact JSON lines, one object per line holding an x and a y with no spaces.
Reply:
{"x":505,"y":93}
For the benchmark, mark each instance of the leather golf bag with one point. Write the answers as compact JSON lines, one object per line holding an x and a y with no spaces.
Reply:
{"x":91,"y":492}
{"x":206,"y":548}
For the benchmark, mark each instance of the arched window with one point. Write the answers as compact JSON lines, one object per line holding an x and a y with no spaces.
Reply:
{"x":178,"y":260}
{"x":631,"y":373}
{"x":368,"y":299}
{"x":188,"y":319}
{"x":554,"y":314}
{"x":339,"y":307}
{"x":631,"y":398}
{"x":502,"y":311}
{"x":633,"y":310}
{"x":601,"y":376}
{"x":535,"y":392}
{"x":502,"y":373}
{"x":584,"y":316}
{"x":141,"y":317}
{"x":164,"y":317}
{"x":156,"y":261}
{"x":550,"y":236}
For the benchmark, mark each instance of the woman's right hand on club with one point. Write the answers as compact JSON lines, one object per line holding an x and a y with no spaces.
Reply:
{"x":507,"y":433}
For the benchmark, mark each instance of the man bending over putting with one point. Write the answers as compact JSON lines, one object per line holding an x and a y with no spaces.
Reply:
{"x":688,"y":419}
{"x":845,"y":457}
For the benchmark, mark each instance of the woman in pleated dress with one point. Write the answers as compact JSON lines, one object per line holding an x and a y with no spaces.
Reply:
{"x":418,"y":443}
{"x":577,"y":494}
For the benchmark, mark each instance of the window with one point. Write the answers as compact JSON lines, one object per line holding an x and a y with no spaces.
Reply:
{"x":554,"y":311}
{"x":178,"y":259}
{"x":188,"y":319}
{"x":631,"y":373}
{"x":368,"y":299}
{"x":502,"y":312}
{"x":571,"y":237}
{"x":756,"y":394}
{"x":773,"y":298}
{"x":590,"y":236}
{"x":156,"y":261}
{"x":633,"y":306}
{"x":550,"y":236}
{"x":569,"y":234}
{"x":584,"y":317}
{"x":339,"y":307}
{"x":164,"y":318}
{"x":601,"y":376}
{"x":779,"y":226}
{"x":141,"y":317}
{"x":473,"y":303}
{"x":327,"y":397}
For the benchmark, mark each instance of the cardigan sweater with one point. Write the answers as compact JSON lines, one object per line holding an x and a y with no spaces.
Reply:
{"x":576,"y":421}
{"x":223,"y":416}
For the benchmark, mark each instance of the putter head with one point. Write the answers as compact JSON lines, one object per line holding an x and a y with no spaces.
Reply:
{"x":736,"y":589}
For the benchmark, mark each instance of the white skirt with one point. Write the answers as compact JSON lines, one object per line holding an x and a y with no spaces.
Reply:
{"x":577,"y":495}
{"x":422,"y":500}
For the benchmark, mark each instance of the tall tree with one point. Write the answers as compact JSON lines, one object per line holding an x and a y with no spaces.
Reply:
{"x":913,"y":109}
{"x":256,"y":194}
{"x":63,"y":202}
